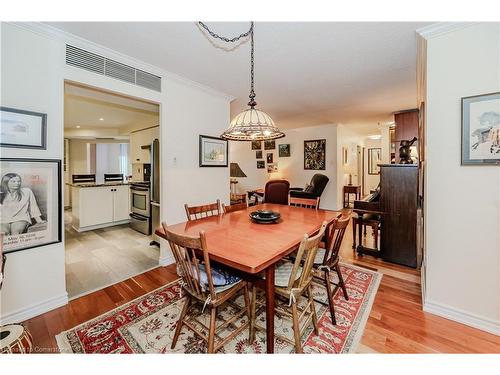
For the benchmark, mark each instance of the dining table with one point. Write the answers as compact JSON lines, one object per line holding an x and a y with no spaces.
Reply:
{"x":252,"y":248}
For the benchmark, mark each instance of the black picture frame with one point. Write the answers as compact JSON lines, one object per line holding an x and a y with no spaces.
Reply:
{"x":31,"y":162}
{"x":270,"y":144}
{"x":489,"y":130}
{"x":43,"y":131}
{"x":373,"y":169}
{"x":284,"y":150}
{"x":258,"y":154}
{"x":269,"y":157}
{"x":256,"y":145}
{"x":315,"y":154}
{"x":203,"y":139}
{"x":261,"y":164}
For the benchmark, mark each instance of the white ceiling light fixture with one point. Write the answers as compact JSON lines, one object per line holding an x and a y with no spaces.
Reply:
{"x":78,"y":126}
{"x":375,"y":136}
{"x":101,"y":119}
{"x":251,"y":124}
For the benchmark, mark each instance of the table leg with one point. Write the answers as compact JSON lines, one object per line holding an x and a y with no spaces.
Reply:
{"x":354,"y":224}
{"x":270,"y":308}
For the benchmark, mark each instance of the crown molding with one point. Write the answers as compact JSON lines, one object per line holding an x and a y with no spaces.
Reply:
{"x":441,"y":28}
{"x":65,"y":37}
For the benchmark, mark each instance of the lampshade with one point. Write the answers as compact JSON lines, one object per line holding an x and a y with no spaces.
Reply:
{"x":235,"y":170}
{"x":252,"y":125}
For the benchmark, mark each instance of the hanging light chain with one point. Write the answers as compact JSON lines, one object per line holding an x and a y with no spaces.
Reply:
{"x":252,"y":102}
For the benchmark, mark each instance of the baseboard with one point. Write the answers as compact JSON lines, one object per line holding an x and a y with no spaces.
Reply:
{"x":34,"y":310}
{"x":167,"y":260}
{"x":448,"y":312}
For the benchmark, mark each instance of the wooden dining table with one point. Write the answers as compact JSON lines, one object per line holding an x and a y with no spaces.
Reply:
{"x":235,"y":241}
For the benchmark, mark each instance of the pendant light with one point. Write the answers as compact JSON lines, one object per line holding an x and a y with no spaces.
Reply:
{"x":251,"y":124}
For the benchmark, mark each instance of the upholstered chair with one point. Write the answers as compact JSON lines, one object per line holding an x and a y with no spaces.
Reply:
{"x":276,"y":191}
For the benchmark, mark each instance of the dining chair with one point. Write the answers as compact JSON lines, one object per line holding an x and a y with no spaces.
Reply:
{"x":292,"y":283}
{"x":303,"y":202}
{"x":327,"y":261}
{"x":205,"y":210}
{"x":276,"y":191}
{"x":208,"y":287}
{"x":234,"y":207}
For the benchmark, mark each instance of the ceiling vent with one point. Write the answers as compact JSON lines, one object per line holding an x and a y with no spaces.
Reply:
{"x":101,"y":65}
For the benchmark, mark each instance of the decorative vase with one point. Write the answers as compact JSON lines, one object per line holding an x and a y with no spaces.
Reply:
{"x":405,"y":152}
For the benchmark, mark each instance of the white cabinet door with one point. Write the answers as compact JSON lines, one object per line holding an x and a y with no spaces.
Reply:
{"x":96,"y":206}
{"x":121,"y":203}
{"x":135,"y":147}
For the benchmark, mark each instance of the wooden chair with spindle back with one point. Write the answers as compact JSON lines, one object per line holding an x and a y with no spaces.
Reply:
{"x":205,"y":210}
{"x":203,"y":286}
{"x":327,"y":261}
{"x":292,"y":282}
{"x":234,"y":207}
{"x":303,"y":202}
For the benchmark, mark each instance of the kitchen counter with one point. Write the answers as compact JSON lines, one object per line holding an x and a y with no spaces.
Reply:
{"x":93,"y":184}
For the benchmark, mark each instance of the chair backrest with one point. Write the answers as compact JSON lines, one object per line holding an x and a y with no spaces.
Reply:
{"x":184,"y":249}
{"x":205,"y":210}
{"x":335,"y":237}
{"x":317,"y":185}
{"x":276,"y":191}
{"x":303,"y":202}
{"x":306,"y":253}
{"x":234,"y":207}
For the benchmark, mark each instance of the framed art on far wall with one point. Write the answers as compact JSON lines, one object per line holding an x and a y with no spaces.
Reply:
{"x":270,"y":145}
{"x":213,"y":151}
{"x":315,"y":154}
{"x":481,"y":129}
{"x":30,"y":197}
{"x":23,"y":129}
{"x":374,"y":158}
{"x":256,"y":145}
{"x":284,"y":151}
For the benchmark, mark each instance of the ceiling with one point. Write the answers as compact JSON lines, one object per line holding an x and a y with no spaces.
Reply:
{"x":306,"y":74}
{"x":92,"y":109}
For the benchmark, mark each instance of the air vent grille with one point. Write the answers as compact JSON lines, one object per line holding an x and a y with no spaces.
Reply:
{"x":98,"y":64}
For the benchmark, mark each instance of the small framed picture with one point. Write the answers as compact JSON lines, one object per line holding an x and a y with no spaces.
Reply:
{"x":481,"y":129}
{"x":270,"y":145}
{"x":269,"y":157}
{"x":30,"y":198}
{"x":258,"y":154}
{"x":272,"y":168}
{"x":256,"y":145}
{"x":284,"y":151}
{"x":23,"y":129}
{"x":213,"y":151}
{"x":374,"y":158}
{"x":315,"y":154}
{"x":261,"y":164}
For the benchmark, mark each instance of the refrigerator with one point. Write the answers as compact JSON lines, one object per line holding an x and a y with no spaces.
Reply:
{"x":155,"y":189}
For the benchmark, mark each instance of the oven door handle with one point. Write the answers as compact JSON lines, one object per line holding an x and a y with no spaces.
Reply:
{"x":139,"y":189}
{"x":138,"y":217}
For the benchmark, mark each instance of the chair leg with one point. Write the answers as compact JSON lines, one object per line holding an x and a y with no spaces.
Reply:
{"x":211,"y":333}
{"x":330,"y":296}
{"x":296,"y":328}
{"x":251,"y":337}
{"x":341,"y":282}
{"x":313,"y":310}
{"x":178,"y":328}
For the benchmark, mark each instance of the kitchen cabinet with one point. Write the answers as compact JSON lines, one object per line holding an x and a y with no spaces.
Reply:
{"x":99,"y":206}
{"x":142,"y":138}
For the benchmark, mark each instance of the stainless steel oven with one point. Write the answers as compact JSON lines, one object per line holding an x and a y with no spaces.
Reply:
{"x":140,"y":203}
{"x":140,"y":223}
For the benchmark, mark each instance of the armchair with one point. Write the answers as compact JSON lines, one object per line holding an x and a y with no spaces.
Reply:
{"x":313,"y":190}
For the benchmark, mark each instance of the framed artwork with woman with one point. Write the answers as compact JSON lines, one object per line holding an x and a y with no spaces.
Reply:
{"x":30,"y":203}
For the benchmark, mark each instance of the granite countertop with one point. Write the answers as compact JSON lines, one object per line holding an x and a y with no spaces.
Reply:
{"x":93,"y":184}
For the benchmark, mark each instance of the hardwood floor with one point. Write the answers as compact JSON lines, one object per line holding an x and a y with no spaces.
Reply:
{"x":396,"y":324}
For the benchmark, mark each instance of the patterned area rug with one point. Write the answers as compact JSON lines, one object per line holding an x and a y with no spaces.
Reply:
{"x":147,"y":324}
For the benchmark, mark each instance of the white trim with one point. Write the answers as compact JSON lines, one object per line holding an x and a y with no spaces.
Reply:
{"x":65,"y":37}
{"x":35,"y":309}
{"x":472,"y":320}
{"x":441,"y":28}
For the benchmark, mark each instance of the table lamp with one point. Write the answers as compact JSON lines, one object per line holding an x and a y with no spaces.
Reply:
{"x":235,"y":171}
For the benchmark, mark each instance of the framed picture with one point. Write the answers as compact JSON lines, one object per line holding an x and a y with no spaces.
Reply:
{"x":261,"y":164}
{"x":30,"y":197}
{"x":269,"y":157}
{"x":315,"y":154}
{"x":345,"y":160}
{"x":481,"y":129}
{"x":374,"y":158}
{"x":272,"y":168}
{"x":23,"y":129}
{"x":213,"y":151}
{"x":258,"y":154}
{"x":256,"y":145}
{"x":284,"y":151}
{"x":270,"y":145}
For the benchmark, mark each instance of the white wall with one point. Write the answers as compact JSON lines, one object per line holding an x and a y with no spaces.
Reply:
{"x":290,"y":168}
{"x":462,"y":202}
{"x":33,"y":74}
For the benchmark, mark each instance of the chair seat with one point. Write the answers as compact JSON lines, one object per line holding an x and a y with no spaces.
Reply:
{"x":282,"y":274}
{"x":220,"y":277}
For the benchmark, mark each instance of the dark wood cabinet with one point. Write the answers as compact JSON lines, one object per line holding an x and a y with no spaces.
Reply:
{"x":399,"y":203}
{"x":406,"y":127}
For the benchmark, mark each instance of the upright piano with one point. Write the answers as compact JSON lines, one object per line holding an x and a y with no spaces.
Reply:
{"x":395,"y":204}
